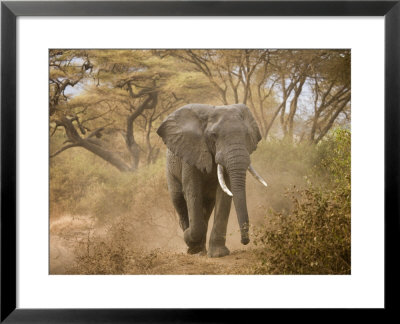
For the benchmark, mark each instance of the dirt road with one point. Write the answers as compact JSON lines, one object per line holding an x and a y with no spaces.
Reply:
{"x":238,"y":262}
{"x":70,"y":237}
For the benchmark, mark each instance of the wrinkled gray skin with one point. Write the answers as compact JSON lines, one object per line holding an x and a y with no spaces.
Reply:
{"x":199,"y":137}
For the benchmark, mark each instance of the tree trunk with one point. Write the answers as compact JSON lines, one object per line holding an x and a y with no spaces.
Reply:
{"x":132,"y":145}
{"x":268,"y":128}
{"x":288,"y":125}
{"x":91,"y":145}
{"x":331,"y":120}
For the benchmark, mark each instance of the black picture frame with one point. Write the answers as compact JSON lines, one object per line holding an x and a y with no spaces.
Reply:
{"x":9,"y":13}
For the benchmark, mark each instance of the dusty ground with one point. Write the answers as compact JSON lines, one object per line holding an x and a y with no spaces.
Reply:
{"x":69,"y":232}
{"x":238,"y":262}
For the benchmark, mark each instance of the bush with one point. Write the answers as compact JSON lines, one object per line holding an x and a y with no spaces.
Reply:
{"x":314,"y":238}
{"x":112,"y":253}
{"x":103,"y":255}
{"x":333,"y":158}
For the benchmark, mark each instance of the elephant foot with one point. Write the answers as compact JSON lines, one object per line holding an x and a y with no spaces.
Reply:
{"x":218,"y":251}
{"x":201,"y":250}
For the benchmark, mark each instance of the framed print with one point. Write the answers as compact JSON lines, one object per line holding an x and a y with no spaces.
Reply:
{"x":154,"y":110}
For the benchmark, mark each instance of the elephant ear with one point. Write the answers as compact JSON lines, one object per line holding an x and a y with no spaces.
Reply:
{"x":183,"y":133}
{"x":254,"y":135}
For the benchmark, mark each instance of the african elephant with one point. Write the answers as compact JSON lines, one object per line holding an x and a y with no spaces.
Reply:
{"x":207,"y":145}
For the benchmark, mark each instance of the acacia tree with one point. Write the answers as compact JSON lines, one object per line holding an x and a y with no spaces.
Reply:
{"x":237,"y":76}
{"x":327,"y":73}
{"x":116,"y":88}
{"x":286,"y":79}
{"x":296,"y":71}
{"x":331,"y":83}
{"x":271,"y":83}
{"x":149,"y":118}
{"x":102,"y":99}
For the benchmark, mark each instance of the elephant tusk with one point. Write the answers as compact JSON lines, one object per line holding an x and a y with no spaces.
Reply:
{"x":221,"y":180}
{"x":257,"y":176}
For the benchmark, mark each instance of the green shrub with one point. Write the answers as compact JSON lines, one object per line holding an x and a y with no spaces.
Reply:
{"x":333,"y":158}
{"x":314,"y":238}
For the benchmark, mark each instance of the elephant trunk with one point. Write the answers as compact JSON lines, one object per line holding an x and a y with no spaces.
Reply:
{"x":236,"y":169}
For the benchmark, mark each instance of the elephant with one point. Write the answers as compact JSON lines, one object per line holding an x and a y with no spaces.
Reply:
{"x":206,"y":146}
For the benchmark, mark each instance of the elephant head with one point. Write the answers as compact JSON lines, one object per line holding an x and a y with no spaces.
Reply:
{"x":202,"y":135}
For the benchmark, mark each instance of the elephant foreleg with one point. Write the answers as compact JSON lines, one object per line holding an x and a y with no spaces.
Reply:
{"x":217,"y":246}
{"x":194,"y":235}
{"x":208,"y":206}
{"x":180,"y":206}
{"x":176,"y":193}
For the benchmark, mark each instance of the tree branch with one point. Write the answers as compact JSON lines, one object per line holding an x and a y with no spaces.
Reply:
{"x":63,"y":149}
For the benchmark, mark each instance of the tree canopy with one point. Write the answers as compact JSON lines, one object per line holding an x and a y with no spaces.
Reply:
{"x":109,"y":102}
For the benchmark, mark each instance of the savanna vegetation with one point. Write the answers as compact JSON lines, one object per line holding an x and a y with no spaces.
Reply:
{"x":110,"y":211}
